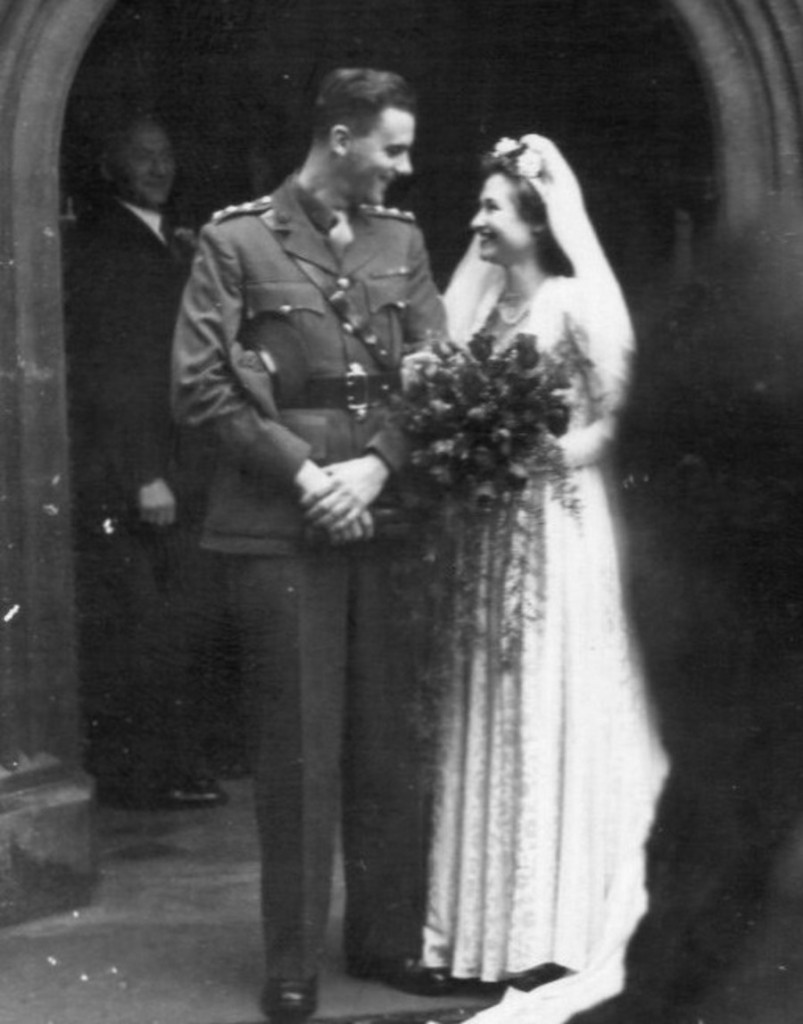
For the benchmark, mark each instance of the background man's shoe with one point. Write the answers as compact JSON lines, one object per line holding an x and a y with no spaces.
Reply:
{"x":182,"y":795}
{"x":407,"y":974}
{"x":289,"y":1000}
{"x":191,"y":793}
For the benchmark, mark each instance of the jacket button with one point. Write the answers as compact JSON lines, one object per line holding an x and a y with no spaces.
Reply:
{"x":285,"y":309}
{"x":348,"y":328}
{"x":343,"y":282}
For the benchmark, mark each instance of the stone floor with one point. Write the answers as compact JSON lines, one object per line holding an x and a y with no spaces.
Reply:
{"x":172,"y":936}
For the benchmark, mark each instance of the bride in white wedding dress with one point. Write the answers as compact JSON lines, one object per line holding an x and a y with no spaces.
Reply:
{"x":550,"y":766}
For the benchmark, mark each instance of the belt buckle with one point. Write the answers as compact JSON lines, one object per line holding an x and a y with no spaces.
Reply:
{"x":357,"y":391}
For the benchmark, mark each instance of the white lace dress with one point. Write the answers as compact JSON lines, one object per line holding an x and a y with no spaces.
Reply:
{"x":549,"y":766}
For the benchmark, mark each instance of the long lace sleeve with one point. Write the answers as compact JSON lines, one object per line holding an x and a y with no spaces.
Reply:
{"x":596,"y":318}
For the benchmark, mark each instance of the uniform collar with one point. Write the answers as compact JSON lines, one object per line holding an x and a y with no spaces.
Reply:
{"x":296,"y":230}
{"x":295,"y":211}
{"x":320,"y":215}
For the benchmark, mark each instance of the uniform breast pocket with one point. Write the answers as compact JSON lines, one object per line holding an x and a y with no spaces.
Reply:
{"x":279,"y":319}
{"x":387,"y":302}
{"x":282,"y":300}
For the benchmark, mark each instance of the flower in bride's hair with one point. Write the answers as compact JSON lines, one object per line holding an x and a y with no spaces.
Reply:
{"x":530,"y":164}
{"x":505,"y":147}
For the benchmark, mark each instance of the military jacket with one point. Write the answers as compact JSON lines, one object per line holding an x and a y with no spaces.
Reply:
{"x":256,"y":326}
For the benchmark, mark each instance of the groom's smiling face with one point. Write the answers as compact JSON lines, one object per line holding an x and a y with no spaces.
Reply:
{"x":376,"y":159}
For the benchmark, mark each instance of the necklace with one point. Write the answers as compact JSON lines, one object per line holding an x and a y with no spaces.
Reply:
{"x":512,"y":308}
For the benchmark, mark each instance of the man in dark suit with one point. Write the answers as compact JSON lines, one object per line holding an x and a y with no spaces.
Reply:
{"x":138,"y":498}
{"x":297,"y":315}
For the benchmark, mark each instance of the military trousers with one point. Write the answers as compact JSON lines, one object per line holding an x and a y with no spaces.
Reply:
{"x":329,"y":672}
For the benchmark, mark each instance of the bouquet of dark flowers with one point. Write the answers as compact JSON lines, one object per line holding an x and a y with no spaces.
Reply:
{"x":482,"y":422}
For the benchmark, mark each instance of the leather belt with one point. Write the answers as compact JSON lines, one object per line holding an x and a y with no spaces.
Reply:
{"x":354,"y":392}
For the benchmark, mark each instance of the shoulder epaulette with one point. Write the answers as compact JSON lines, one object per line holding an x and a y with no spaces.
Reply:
{"x":389,"y":211}
{"x":257,"y":206}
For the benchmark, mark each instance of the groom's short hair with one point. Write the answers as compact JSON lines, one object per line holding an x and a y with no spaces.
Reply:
{"x":355,"y":97}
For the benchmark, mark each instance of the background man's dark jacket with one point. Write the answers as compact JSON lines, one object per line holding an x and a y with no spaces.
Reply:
{"x":123,"y":290}
{"x":123,"y":287}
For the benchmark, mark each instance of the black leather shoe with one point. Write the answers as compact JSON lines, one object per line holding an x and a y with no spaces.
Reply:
{"x":190,"y":793}
{"x":544,"y":974}
{"x":289,"y":1000}
{"x":407,"y":974}
{"x":181,"y":795}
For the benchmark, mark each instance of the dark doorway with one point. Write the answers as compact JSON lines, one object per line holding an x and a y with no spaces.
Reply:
{"x":612,"y":81}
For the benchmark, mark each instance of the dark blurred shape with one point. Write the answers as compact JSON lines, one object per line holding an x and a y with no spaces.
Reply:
{"x":712,"y":466}
{"x":148,"y":600}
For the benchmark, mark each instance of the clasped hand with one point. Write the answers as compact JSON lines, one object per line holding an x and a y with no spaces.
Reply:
{"x":337,"y":498}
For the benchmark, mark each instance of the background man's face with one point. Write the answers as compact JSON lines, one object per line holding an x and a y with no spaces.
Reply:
{"x":143,"y":168}
{"x":375,"y":160}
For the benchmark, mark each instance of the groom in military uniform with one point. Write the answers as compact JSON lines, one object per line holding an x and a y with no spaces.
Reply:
{"x":294,"y":323}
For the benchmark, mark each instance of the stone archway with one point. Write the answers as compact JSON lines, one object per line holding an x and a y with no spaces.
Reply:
{"x":745,"y":49}
{"x":749,"y":53}
{"x":46,"y":859}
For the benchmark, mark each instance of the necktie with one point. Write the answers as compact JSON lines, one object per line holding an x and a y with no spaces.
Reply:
{"x":163,"y":230}
{"x":341,"y":235}
{"x":168,"y":235}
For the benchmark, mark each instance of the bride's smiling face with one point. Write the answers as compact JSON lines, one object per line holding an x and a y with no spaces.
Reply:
{"x":505,"y":236}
